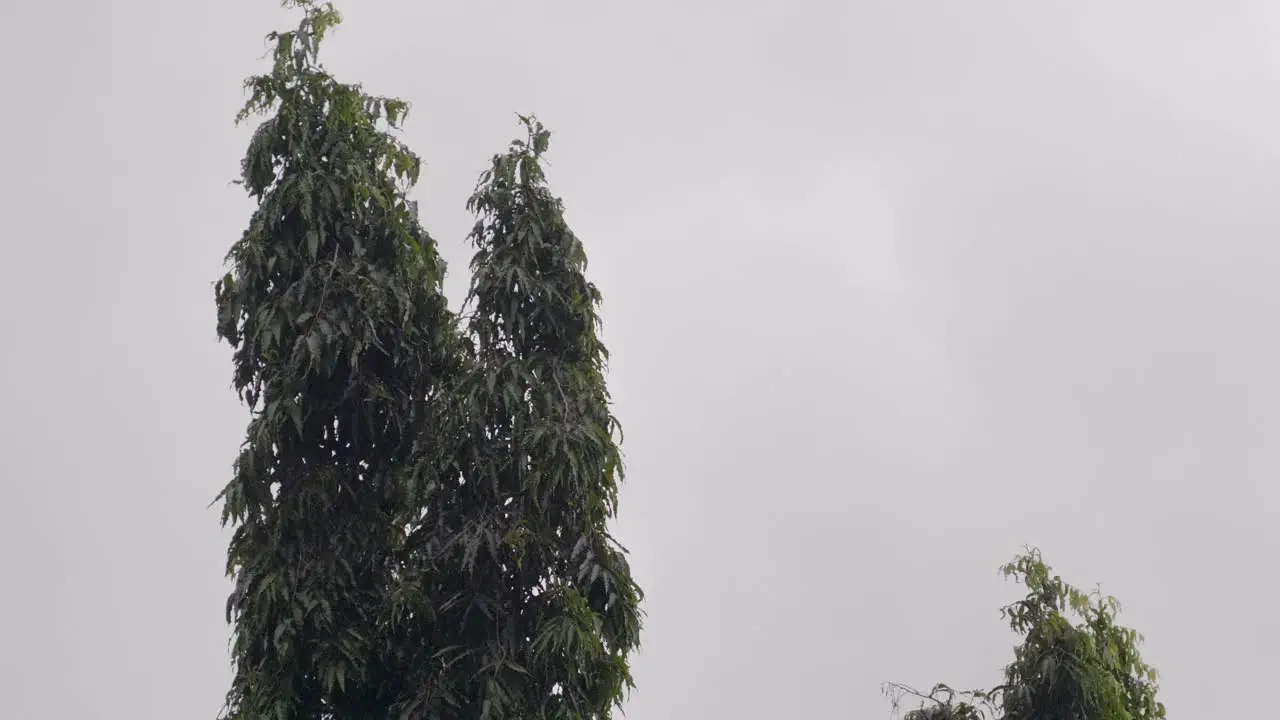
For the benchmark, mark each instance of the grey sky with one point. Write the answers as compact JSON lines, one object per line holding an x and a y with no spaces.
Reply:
{"x":892,"y":289}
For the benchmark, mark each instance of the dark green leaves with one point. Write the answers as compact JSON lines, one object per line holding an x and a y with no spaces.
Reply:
{"x":420,"y":511}
{"x":514,"y":548}
{"x":334,"y":312}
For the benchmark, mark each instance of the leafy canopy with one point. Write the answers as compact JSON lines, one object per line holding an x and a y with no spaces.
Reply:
{"x":1074,"y":662}
{"x":420,"y":508}
{"x":528,"y":603}
{"x":339,"y":329}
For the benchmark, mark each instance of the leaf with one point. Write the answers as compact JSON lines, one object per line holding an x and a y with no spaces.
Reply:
{"x":295,"y":413}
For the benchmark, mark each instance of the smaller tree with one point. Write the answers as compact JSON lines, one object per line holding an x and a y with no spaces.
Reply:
{"x":519,"y":604}
{"x":1074,"y":663}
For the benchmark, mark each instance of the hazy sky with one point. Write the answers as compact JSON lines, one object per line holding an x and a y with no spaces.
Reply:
{"x":893,"y":287}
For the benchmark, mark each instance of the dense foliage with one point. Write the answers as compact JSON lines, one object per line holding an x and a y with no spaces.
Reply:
{"x":420,"y":507}
{"x":334,"y":310}
{"x":1088,"y":668}
{"x":533,"y":611}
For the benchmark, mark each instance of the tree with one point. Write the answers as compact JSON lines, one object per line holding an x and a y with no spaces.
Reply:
{"x":420,"y":510}
{"x":525,"y":601}
{"x":340,"y":332}
{"x":1086,"y":669}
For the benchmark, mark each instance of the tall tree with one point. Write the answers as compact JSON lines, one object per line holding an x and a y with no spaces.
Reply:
{"x":1088,"y":668}
{"x":334,"y":310}
{"x":526,"y":607}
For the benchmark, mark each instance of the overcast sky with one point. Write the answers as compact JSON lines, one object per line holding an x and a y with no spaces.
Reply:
{"x":893,"y":287}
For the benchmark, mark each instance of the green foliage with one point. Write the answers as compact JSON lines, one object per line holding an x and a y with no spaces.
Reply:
{"x":420,"y":509}
{"x":334,"y":311}
{"x":526,"y":601}
{"x":1074,"y":662}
